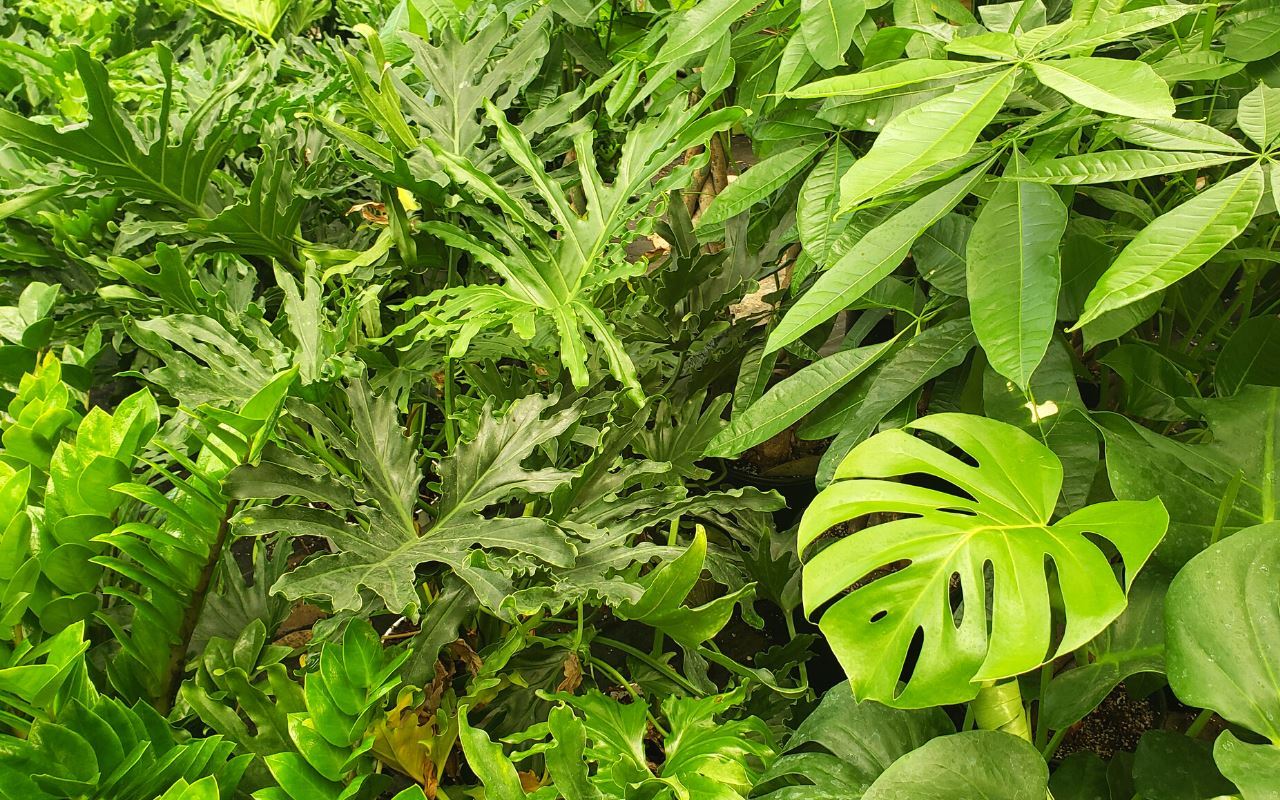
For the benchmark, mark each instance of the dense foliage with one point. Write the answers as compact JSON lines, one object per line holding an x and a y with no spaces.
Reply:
{"x":586,"y":400}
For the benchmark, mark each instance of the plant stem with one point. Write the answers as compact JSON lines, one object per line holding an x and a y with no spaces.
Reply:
{"x":804,"y":668}
{"x":1197,"y":725}
{"x":653,"y":663}
{"x":998,"y":707}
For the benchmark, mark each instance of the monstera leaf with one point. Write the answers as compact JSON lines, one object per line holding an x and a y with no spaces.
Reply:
{"x":927,"y":572}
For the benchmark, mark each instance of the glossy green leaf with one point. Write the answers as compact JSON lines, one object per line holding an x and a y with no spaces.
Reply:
{"x":981,"y":765}
{"x":1233,"y":474}
{"x":1251,"y":767}
{"x":1127,"y":88}
{"x":816,"y":219}
{"x":1015,"y":488}
{"x":1175,"y":134}
{"x":1103,"y":28}
{"x":694,"y":30}
{"x":1253,"y":39}
{"x":870,"y":260}
{"x":827,"y":27}
{"x":1223,"y":629}
{"x":1131,"y":645}
{"x":893,"y":76}
{"x":1013,"y":276}
{"x":858,"y":742}
{"x":924,"y":136}
{"x":1259,"y":114}
{"x":1170,"y":765}
{"x":1177,"y":243}
{"x":1119,"y":165}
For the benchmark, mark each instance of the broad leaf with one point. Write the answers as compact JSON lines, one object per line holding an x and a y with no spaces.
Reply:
{"x":1014,"y":489}
{"x":1127,"y":88}
{"x":1223,"y":628}
{"x":984,"y":765}
{"x":828,"y":26}
{"x":1259,"y":114}
{"x":894,"y":76}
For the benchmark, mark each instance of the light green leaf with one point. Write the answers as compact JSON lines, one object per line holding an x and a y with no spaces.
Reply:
{"x":758,"y":182}
{"x":1253,"y":39}
{"x":872,"y":258}
{"x":1259,"y":114}
{"x":490,"y":764}
{"x":1127,"y":88}
{"x":935,"y":131}
{"x":998,"y":515}
{"x":816,"y":217}
{"x":998,"y":45}
{"x":1251,"y":767}
{"x":1177,"y":243}
{"x":1013,"y":276}
{"x":692,"y":31}
{"x":1223,"y":628}
{"x":1106,"y":28}
{"x":976,"y":765}
{"x":894,"y":76}
{"x":792,"y":398}
{"x":827,"y":27}
{"x":1117,"y":165}
{"x":1175,"y":134}
{"x":258,"y":16}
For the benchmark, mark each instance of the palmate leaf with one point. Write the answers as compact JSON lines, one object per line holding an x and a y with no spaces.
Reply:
{"x":173,"y":169}
{"x":382,"y":548}
{"x":999,"y":516}
{"x":554,"y":268}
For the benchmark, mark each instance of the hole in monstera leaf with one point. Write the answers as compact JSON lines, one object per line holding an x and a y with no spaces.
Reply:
{"x":955,"y":598}
{"x":909,"y":662}
{"x":879,"y":615}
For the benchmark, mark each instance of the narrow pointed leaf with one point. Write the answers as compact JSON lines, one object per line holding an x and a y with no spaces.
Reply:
{"x":937,"y":130}
{"x":1177,"y":243}
{"x":895,"y":76}
{"x":874,"y":256}
{"x":1013,"y":276}
{"x":827,"y":27}
{"x":758,"y":182}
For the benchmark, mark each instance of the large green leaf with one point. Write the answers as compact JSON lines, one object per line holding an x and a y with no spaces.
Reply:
{"x":1127,"y":88}
{"x":259,"y":16}
{"x":1250,"y":356}
{"x":1259,"y":114}
{"x":1177,"y":243}
{"x":1171,"y":766}
{"x":1173,"y":133}
{"x":1251,"y":767}
{"x":1133,"y":644}
{"x":999,"y":515}
{"x":926,"y":135}
{"x":1253,"y":39}
{"x":1223,"y":629}
{"x":1013,"y":276}
{"x":977,"y":765}
{"x":869,"y":261}
{"x":816,"y":220}
{"x":110,"y":146}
